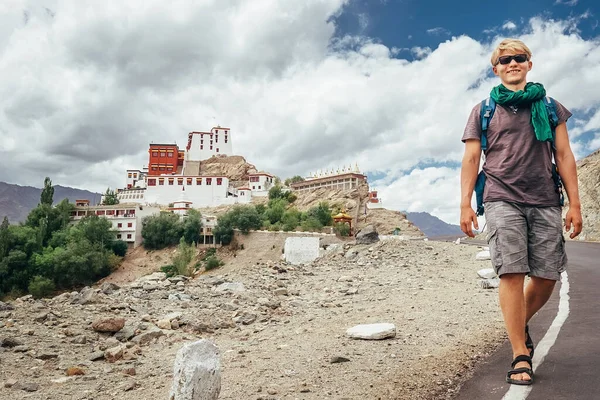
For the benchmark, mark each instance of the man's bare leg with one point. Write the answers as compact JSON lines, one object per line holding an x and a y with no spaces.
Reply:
{"x":512,"y":304}
{"x":537,"y":293}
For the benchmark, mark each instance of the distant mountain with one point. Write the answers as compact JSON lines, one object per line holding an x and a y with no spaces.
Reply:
{"x":17,"y":201}
{"x":432,"y":226}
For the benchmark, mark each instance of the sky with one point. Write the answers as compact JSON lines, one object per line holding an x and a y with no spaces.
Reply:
{"x":304,"y":86}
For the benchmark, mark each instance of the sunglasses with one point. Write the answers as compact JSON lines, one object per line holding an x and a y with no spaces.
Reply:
{"x":520,"y":58}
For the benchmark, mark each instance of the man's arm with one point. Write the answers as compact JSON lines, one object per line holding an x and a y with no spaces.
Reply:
{"x":567,"y":169}
{"x":468,"y":177}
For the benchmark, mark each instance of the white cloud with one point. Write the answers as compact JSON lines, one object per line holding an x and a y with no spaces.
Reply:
{"x":83,"y":91}
{"x":438,"y":31}
{"x":509,"y":26}
{"x":567,"y":2}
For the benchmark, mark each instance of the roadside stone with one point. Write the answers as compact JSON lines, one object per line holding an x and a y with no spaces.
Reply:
{"x":196,"y":373}
{"x":147,"y":337}
{"x":487,"y":273}
{"x":6,"y":306}
{"x":108,"y":324}
{"x":11,"y":342}
{"x":26,"y":386}
{"x":114,"y":353}
{"x":97,"y":355}
{"x":231,"y":287}
{"x":10,"y":383}
{"x":372,"y":331}
{"x":483,"y":255}
{"x":109,"y":288}
{"x":367,"y":235}
{"x":338,"y":359}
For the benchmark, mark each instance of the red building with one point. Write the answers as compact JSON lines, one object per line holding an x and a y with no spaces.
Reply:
{"x":164,"y":159}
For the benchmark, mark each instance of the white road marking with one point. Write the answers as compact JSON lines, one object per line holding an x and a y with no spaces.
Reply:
{"x":516,"y":392}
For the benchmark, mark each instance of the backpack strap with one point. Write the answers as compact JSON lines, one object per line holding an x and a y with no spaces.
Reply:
{"x":553,"y":116}
{"x":488,"y":106}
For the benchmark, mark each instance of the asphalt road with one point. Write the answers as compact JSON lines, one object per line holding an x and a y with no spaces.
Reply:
{"x":571,"y":366}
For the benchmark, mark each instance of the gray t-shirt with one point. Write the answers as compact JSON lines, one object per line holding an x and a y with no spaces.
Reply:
{"x":518,"y":167}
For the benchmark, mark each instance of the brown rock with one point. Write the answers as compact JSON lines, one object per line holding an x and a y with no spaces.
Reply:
{"x":72,"y":371}
{"x":108,"y":324}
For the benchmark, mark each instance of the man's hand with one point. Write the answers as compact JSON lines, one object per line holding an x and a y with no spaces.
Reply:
{"x":468,"y":220}
{"x":573,"y":217}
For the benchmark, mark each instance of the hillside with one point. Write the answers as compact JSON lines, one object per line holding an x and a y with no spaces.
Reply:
{"x":588,"y":172}
{"x":432,"y":226}
{"x":16,"y":201}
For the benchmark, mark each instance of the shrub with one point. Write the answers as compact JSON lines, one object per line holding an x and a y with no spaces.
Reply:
{"x":41,"y":287}
{"x":212,"y":262}
{"x":119,"y":247}
{"x":170,"y":270}
{"x":342,"y":229}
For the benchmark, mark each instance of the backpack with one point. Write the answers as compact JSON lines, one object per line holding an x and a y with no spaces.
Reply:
{"x":488,"y":106}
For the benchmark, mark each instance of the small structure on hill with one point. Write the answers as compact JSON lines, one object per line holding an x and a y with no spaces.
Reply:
{"x":343,"y":218}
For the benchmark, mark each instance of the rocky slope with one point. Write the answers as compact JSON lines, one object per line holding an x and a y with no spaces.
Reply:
{"x":281,"y":329}
{"x":236,"y":168}
{"x":588,"y":173}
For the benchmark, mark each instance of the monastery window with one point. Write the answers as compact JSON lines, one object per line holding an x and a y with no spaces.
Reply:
{"x":154,"y":153}
{"x":129,"y":175}
{"x":119,"y":236}
{"x":154,"y":168}
{"x":151,"y":182}
{"x":129,"y":236}
{"x":219,"y":181}
{"x":171,"y":181}
{"x":162,"y":153}
{"x":130,"y":224}
{"x":217,"y":149}
{"x":131,"y":212}
{"x":211,"y":147}
{"x":225,"y":140}
{"x":216,"y":139}
{"x":110,"y":212}
{"x":198,"y":181}
{"x":100,"y":212}
{"x":211,"y":142}
{"x":170,"y":154}
{"x":161,"y":181}
{"x":120,"y":225}
{"x":217,"y":131}
{"x":259,"y":188}
{"x":189,"y":181}
{"x":209,"y":181}
{"x":162,"y":168}
{"x":135,"y":175}
{"x":242,"y":193}
{"x":180,"y":181}
{"x":253,"y":187}
{"x":169,"y":168}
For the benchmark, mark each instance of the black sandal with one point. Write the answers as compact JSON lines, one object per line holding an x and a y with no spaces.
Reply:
{"x":529,"y":342}
{"x":521,"y":370}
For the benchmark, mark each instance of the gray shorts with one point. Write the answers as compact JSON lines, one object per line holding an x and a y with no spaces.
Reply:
{"x":526,"y":239}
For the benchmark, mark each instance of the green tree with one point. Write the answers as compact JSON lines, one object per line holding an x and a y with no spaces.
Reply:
{"x":275,"y":192}
{"x":162,"y":230}
{"x":192,"y":225}
{"x":41,"y":287}
{"x":183,"y":259}
{"x":291,"y":219}
{"x":294,"y":179}
{"x":276,"y":209}
{"x":96,"y":230}
{"x":4,"y":238}
{"x":110,"y":198}
{"x":322,"y":213}
{"x":47,"y":193}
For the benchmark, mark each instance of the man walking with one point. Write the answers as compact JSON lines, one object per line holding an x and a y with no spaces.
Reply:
{"x":522,"y":201}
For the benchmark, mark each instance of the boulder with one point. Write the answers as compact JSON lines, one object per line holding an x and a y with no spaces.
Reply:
{"x":197,"y":372}
{"x":367,"y":235}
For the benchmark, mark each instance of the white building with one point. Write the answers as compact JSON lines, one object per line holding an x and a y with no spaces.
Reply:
{"x":126,"y":218}
{"x":260,"y":183}
{"x":204,"y":145}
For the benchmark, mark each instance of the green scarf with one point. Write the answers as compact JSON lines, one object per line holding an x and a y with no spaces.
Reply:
{"x":533,"y":94}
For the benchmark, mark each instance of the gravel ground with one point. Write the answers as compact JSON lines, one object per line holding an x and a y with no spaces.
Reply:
{"x":281,"y":329}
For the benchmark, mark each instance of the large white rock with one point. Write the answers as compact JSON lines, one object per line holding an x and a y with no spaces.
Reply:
{"x":197,"y":372}
{"x":483,"y":255}
{"x":372,"y":331}
{"x":301,"y":250}
{"x":486,"y":273}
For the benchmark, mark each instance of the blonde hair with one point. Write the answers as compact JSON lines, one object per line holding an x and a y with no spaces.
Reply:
{"x":513,"y":45}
